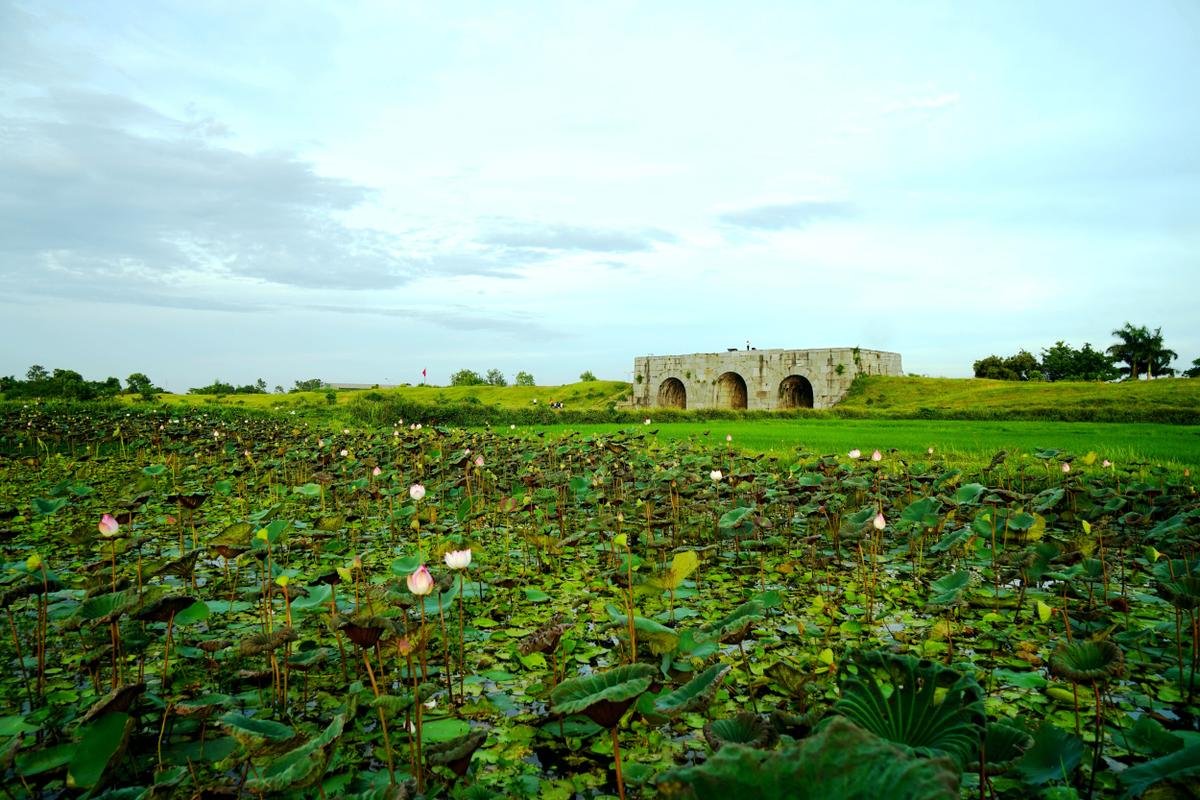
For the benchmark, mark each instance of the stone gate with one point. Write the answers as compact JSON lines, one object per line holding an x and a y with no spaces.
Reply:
{"x":756,"y":379}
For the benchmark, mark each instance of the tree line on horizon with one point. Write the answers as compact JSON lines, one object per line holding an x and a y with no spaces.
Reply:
{"x":1138,"y":352}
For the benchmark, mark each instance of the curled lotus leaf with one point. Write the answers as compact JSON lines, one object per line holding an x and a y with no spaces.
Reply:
{"x":1003,"y":746}
{"x":736,"y":626}
{"x":301,"y":766}
{"x":456,"y":753}
{"x":259,"y":643}
{"x":108,"y":607}
{"x":364,"y":631}
{"x":544,"y":639}
{"x":602,"y":696}
{"x":842,"y":760}
{"x":1178,"y":768}
{"x":932,"y":709}
{"x":259,"y":736}
{"x":696,"y":694}
{"x":745,"y":728}
{"x":1087,"y":661}
{"x":118,"y":700}
{"x":164,"y":608}
{"x":1183,"y":593}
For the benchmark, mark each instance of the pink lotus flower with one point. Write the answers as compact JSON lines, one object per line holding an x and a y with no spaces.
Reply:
{"x":1106,"y":463}
{"x":877,"y":456}
{"x":1066,"y":467}
{"x":377,"y":472}
{"x":458,"y":559}
{"x":479,"y":461}
{"x":646,"y":421}
{"x":930,"y":451}
{"x":416,"y":491}
{"x":855,"y":453}
{"x":344,"y":452}
{"x":108,"y":526}
{"x":420,"y":582}
{"x":880,"y":523}
{"x":716,"y":475}
{"x":729,"y":437}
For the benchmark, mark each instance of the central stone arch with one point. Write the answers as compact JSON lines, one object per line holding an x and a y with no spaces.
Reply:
{"x":731,"y":391}
{"x":795,"y":391}
{"x":672,"y":394}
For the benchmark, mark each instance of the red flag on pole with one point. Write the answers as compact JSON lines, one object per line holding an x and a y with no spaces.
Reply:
{"x":422,"y":373}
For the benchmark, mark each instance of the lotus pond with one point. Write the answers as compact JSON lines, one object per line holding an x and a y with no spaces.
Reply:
{"x":199,"y":605}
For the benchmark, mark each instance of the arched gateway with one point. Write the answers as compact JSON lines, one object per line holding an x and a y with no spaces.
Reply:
{"x":672,"y":394}
{"x":756,"y":379}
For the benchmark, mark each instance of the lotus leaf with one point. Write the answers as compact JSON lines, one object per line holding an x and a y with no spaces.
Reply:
{"x":842,"y":761}
{"x":1087,"y":661}
{"x":745,"y":728}
{"x":1181,"y":765}
{"x":603,"y":696}
{"x":102,"y":743}
{"x":694,"y":695}
{"x":916,"y":714}
{"x":1003,"y":746}
{"x":301,"y":766}
{"x":1054,"y":755}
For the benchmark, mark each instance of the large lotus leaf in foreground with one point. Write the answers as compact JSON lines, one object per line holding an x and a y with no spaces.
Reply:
{"x":842,"y":761}
{"x":915,"y":714}
{"x":602,"y":696}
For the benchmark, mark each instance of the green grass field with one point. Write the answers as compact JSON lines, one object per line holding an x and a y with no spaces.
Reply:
{"x":962,"y":441}
{"x":956,"y":441}
{"x":913,"y":396}
{"x":578,"y":396}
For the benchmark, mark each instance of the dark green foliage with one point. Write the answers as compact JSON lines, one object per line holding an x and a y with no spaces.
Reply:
{"x":64,"y":384}
{"x":1064,"y":363}
{"x":586,"y":376}
{"x":913,"y":714}
{"x":495,"y":378}
{"x":1019,"y":367}
{"x":467,"y":377}
{"x":310,"y":385}
{"x":524,"y":379}
{"x":842,"y":761}
{"x":1054,"y":756}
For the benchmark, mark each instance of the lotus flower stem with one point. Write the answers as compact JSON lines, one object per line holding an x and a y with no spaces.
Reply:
{"x":1099,"y":739}
{"x":462,"y":625}
{"x":162,"y":681}
{"x":417,"y":707}
{"x":617,"y":762}
{"x":387,"y":743}
{"x":446,"y":653}
{"x":424,"y":671}
{"x":12,"y":624}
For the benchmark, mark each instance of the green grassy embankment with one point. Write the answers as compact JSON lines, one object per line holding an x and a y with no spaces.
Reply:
{"x":1167,"y":400}
{"x":960,"y":442}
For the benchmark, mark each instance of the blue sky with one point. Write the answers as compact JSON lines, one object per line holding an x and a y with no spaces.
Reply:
{"x":357,"y":191}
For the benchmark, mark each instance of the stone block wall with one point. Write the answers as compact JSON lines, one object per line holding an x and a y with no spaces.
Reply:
{"x":756,"y":379}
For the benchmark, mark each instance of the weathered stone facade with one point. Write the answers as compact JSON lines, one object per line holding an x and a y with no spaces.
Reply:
{"x":756,"y":379}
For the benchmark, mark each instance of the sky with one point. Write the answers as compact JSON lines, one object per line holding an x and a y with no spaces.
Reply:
{"x":357,"y":191}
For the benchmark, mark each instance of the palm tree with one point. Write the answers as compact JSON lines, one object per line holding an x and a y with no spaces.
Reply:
{"x":1139,"y":348}
{"x":1159,"y":357}
{"x":1131,"y":348}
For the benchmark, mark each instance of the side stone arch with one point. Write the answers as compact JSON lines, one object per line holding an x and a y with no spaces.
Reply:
{"x":672,"y":394}
{"x":731,"y":391}
{"x":795,"y":391}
